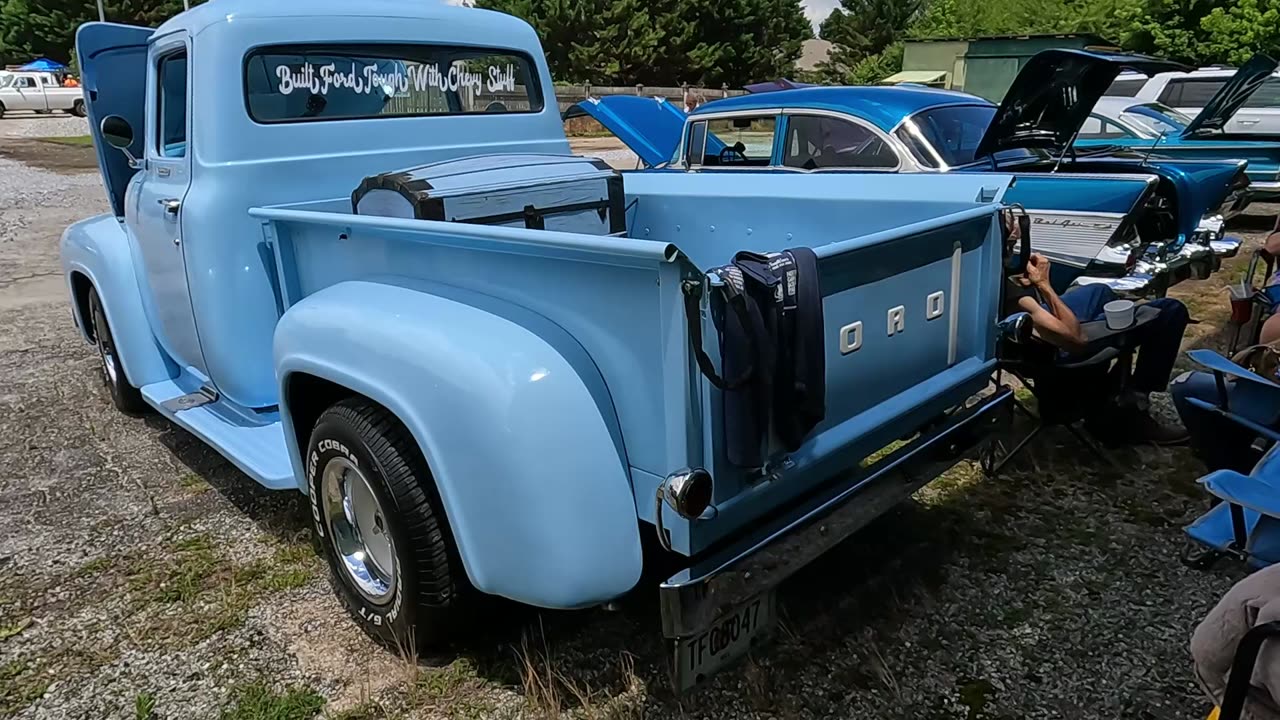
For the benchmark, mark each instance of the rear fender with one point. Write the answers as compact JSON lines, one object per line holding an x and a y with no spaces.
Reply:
{"x":97,"y":249}
{"x":1202,"y":186}
{"x":512,"y":416}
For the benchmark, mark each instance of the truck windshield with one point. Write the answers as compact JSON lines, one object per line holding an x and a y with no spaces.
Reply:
{"x":301,"y":83}
{"x":5,"y":81}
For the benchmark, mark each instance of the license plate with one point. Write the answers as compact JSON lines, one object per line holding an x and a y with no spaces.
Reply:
{"x":701,"y":656}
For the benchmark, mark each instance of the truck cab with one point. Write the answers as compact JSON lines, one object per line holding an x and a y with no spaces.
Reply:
{"x":311,"y":264}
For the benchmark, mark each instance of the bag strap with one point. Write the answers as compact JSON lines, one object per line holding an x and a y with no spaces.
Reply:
{"x":737,"y":302}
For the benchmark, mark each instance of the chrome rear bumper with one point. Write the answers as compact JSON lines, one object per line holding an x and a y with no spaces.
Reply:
{"x":693,"y":599}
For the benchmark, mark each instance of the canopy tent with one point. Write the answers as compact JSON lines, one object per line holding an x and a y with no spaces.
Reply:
{"x":44,"y":65}
{"x":917,"y":77}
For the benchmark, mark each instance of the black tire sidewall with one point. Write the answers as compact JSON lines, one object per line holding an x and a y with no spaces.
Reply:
{"x":77,"y":109}
{"x":394,"y":621}
{"x":102,"y":329}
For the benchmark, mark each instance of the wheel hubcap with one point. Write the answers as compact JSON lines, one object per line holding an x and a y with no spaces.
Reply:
{"x":357,"y":523}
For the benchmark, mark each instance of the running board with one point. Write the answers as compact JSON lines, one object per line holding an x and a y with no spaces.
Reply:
{"x":260,"y":451}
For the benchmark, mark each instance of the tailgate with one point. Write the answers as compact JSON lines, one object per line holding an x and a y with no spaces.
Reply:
{"x":909,"y":317}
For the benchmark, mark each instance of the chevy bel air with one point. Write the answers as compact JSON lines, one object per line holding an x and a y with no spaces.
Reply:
{"x":1103,"y":215}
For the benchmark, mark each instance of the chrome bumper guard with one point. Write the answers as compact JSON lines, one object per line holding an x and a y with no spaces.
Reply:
{"x":695,"y":598}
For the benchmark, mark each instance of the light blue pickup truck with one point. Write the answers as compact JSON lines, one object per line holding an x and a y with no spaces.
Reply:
{"x":353,"y":253}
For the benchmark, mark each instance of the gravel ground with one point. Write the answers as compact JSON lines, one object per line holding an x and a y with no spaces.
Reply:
{"x":27,"y":125}
{"x":143,"y":576}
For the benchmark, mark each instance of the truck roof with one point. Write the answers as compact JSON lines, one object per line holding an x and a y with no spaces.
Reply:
{"x":884,"y":106}
{"x":215,"y":12}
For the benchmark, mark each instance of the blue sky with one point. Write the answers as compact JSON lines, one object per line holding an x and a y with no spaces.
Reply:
{"x":817,"y":10}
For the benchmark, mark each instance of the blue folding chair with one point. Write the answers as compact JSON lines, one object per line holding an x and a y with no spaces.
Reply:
{"x":1246,"y":525}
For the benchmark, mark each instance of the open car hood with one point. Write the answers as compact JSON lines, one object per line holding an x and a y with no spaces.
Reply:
{"x":1053,"y":94}
{"x":1232,"y":96}
{"x":651,"y":127}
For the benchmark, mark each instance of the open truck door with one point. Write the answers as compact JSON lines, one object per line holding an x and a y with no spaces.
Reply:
{"x":113,"y":68}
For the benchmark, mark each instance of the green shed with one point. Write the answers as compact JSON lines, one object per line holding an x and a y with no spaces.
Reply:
{"x":984,"y":66}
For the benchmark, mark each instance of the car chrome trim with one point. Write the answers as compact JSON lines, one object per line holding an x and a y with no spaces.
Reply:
{"x":763,"y":557}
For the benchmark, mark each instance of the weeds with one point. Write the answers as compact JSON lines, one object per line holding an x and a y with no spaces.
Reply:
{"x":258,"y":701}
{"x":144,"y":706}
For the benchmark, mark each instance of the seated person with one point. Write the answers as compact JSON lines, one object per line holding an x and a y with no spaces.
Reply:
{"x":1221,"y":443}
{"x":1056,"y":321}
{"x":1251,"y":602}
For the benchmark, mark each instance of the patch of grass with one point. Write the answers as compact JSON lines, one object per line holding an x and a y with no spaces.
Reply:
{"x":258,"y":701}
{"x":214,"y":594}
{"x":20,"y":685}
{"x":9,"y":629}
{"x":144,"y":706}
{"x":78,"y":140}
{"x":193,"y":483}
{"x":95,"y":566}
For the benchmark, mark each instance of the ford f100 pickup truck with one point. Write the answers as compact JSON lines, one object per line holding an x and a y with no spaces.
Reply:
{"x":354,"y":255}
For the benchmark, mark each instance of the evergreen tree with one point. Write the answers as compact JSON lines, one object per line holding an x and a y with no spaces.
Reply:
{"x":665,"y":42}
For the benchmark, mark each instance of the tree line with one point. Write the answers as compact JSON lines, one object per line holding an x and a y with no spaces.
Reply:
{"x":734,"y":42}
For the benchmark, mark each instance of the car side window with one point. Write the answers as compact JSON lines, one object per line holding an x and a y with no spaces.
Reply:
{"x":1267,"y":96}
{"x":1099,"y":128}
{"x":171,"y":95}
{"x":743,"y":141}
{"x":24,"y":83}
{"x":1190,"y":92}
{"x":815,"y":142}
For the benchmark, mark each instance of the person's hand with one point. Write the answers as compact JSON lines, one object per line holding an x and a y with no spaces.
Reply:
{"x":1037,"y":273}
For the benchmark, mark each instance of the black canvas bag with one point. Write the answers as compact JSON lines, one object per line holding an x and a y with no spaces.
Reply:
{"x":769,"y":319}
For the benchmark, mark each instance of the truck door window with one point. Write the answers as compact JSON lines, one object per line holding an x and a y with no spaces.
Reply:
{"x":24,"y":83}
{"x":301,"y":83}
{"x":815,"y":142}
{"x":172,"y":106}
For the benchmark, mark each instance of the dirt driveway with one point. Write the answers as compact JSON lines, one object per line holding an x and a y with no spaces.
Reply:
{"x":142,"y":576}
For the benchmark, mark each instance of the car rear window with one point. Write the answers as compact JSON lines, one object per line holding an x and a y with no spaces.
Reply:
{"x":1126,"y":87}
{"x":302,"y":83}
{"x":1191,"y":92}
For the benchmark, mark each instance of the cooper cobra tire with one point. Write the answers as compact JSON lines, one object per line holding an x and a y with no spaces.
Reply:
{"x":78,"y":109}
{"x":126,"y":397}
{"x":377,"y":518}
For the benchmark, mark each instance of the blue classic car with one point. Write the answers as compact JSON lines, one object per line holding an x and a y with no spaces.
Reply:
{"x":1163,"y":132}
{"x":1103,"y":215}
{"x":487,"y":372}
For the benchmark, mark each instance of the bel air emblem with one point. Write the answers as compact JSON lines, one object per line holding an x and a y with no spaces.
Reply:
{"x":895,"y":320}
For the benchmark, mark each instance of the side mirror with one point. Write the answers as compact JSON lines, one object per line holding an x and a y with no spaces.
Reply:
{"x":118,"y":133}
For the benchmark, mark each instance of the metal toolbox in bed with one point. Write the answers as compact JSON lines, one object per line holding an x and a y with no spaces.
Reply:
{"x":543,"y":192}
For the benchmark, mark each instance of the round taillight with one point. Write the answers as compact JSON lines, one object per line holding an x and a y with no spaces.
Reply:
{"x":688,"y":492}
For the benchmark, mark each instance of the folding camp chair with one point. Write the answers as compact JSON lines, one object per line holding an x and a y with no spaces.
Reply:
{"x":1242,"y":665}
{"x":1246,"y":524}
{"x":1066,"y":389}
{"x":1246,"y":329}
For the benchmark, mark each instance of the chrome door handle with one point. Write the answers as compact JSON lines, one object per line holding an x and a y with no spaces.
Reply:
{"x":1250,"y":122}
{"x":171,"y":206}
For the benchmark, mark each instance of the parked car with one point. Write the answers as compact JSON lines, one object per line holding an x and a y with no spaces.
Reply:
{"x":1105,"y":215}
{"x":504,"y":399}
{"x":1191,"y":92}
{"x":38,"y":92}
{"x":1154,"y":128}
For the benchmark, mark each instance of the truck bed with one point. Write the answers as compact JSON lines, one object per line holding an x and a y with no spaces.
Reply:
{"x":880,"y":245}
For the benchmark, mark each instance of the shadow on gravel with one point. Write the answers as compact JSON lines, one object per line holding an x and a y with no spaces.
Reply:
{"x":280,"y":514}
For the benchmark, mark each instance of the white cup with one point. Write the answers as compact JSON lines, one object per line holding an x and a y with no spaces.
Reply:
{"x":1119,"y":314}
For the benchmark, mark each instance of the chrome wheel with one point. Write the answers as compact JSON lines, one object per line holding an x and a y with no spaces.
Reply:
{"x":108,"y":362}
{"x":358,"y":527}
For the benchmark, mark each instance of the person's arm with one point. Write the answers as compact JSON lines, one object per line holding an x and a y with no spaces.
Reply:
{"x":1056,"y":325}
{"x":1272,"y":244}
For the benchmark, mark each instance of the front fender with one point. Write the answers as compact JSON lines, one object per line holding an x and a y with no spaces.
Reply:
{"x":520,"y":440}
{"x":98,"y":249}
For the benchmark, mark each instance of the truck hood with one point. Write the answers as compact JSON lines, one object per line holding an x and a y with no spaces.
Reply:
{"x":649,"y":126}
{"x":1232,"y":96}
{"x":1053,"y":94}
